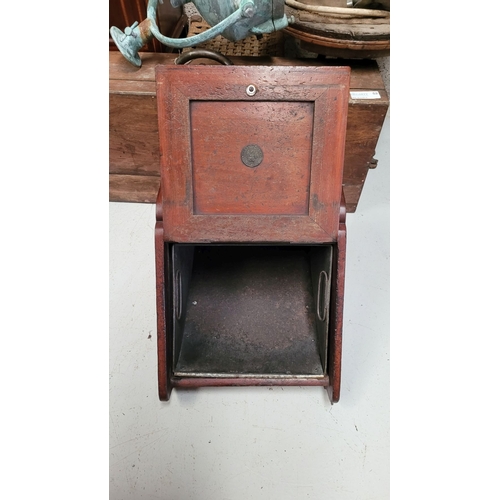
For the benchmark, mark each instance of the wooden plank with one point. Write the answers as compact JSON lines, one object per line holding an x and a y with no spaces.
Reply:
{"x":133,"y":188}
{"x":364,"y":73}
{"x":337,"y":308}
{"x":121,"y":69}
{"x":364,"y":124}
{"x":353,"y":193}
{"x":132,"y":87}
{"x":133,"y":135}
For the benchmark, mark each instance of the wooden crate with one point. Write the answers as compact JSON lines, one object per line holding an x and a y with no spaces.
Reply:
{"x":134,"y":158}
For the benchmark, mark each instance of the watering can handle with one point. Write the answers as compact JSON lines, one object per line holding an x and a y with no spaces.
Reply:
{"x":203,"y":53}
{"x":246,"y":9}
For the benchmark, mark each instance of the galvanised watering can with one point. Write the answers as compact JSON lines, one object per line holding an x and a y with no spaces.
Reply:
{"x":233,"y":19}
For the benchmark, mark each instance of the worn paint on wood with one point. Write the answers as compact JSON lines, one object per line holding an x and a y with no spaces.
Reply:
{"x":184,"y":91}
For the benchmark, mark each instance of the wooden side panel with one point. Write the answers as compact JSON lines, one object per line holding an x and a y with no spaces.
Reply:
{"x":163,"y":302}
{"x":364,"y":124}
{"x":133,"y":188}
{"x":337,"y":311}
{"x":164,"y":388}
{"x":133,"y":137}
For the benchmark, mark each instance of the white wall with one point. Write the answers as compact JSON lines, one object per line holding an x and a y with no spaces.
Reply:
{"x":252,"y":443}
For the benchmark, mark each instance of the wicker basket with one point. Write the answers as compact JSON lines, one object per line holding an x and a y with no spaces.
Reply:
{"x":270,"y":44}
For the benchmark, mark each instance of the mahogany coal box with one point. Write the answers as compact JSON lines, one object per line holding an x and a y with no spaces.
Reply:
{"x":250,"y":237}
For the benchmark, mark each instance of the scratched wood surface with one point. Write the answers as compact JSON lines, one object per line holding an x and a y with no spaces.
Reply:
{"x":337,"y":310}
{"x":133,"y":121}
{"x":164,"y":322}
{"x":325,"y":90}
{"x":279,"y":184}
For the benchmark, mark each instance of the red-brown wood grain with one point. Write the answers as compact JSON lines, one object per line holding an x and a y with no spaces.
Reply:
{"x":223,"y":184}
{"x":164,"y":335}
{"x":129,"y":143}
{"x":337,"y":312}
{"x":194,"y":382}
{"x":182,"y":91}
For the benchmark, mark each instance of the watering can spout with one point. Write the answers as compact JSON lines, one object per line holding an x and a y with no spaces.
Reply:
{"x":132,"y":39}
{"x":233,"y":20}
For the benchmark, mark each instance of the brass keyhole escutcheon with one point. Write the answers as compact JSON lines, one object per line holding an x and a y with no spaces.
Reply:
{"x":252,"y":155}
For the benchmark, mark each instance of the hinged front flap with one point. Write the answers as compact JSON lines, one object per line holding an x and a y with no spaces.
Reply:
{"x":251,"y":153}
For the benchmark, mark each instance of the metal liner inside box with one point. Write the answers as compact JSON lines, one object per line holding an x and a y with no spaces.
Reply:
{"x":251,"y":310}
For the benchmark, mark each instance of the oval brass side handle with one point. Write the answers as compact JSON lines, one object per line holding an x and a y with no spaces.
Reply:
{"x":178,"y":294}
{"x":322,"y":317}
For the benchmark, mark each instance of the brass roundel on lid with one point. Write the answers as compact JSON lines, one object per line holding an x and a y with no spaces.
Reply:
{"x":252,"y":155}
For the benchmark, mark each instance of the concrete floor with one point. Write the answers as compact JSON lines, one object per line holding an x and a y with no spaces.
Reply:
{"x":252,"y":443}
